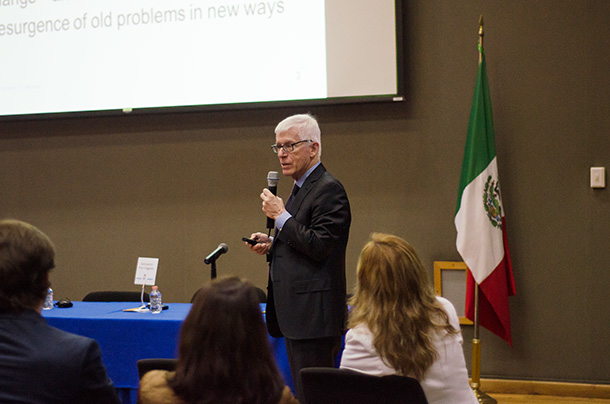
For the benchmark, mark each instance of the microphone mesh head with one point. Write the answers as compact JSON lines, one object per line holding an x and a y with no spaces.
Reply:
{"x":224,"y":247}
{"x":273,"y":178}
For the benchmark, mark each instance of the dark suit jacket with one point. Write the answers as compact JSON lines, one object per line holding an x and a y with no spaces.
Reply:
{"x":306,"y":297}
{"x":41,"y":364}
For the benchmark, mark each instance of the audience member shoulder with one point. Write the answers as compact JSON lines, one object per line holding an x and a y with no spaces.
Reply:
{"x":154,"y":388}
{"x":451,"y":312}
{"x":288,"y":397}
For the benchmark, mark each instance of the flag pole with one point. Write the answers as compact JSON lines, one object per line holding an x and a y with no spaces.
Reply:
{"x":475,"y":383}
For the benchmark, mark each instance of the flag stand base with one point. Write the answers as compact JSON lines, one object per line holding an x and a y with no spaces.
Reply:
{"x":483,"y":398}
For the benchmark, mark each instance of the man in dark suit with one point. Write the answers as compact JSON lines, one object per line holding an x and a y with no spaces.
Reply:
{"x":39,"y":363}
{"x":306,"y":291}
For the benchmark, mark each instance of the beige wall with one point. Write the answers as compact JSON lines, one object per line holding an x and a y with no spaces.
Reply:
{"x":110,"y":189}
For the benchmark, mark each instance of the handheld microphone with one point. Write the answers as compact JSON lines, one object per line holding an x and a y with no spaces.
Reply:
{"x":272,"y":179}
{"x":221,"y":249}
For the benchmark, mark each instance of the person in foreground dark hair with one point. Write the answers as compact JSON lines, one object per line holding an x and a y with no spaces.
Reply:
{"x":224,"y":355}
{"x":398,"y":326}
{"x":39,"y":363}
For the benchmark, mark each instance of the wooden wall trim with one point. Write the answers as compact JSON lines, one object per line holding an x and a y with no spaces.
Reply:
{"x":505,"y":386}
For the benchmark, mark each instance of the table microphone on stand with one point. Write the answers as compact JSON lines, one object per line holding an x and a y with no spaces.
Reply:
{"x":211,"y":259}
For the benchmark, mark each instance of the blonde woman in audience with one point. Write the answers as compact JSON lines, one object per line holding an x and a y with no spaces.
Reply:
{"x":224,"y":354}
{"x":398,"y":326}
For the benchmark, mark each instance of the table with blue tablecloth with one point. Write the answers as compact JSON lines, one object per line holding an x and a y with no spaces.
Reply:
{"x":125,"y":337}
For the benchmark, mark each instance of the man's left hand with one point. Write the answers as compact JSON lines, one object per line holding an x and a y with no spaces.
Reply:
{"x":273,"y":206}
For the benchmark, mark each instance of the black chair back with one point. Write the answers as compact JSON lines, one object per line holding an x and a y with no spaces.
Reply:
{"x":331,"y":386}
{"x":146,"y":365}
{"x":115,"y":296}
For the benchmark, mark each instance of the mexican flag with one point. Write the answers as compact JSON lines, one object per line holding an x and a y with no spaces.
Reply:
{"x":479,"y":218}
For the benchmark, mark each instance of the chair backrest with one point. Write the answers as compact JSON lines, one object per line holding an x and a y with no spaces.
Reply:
{"x":145,"y":365}
{"x":330,"y":385}
{"x":115,"y":296}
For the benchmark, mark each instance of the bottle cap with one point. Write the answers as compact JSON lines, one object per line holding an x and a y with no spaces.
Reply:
{"x":155,"y":287}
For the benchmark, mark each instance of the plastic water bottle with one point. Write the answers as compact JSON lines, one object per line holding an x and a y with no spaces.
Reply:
{"x":48,"y":303}
{"x":156,"y":304}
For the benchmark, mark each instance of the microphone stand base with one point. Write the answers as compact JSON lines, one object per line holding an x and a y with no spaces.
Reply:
{"x":483,"y":398}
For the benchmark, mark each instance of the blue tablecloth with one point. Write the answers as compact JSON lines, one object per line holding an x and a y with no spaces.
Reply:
{"x":125,"y":337}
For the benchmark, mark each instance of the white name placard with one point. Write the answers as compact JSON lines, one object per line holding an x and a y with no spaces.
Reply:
{"x":146,"y":271}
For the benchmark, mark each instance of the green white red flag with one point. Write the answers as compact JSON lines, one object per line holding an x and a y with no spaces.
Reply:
{"x":479,"y":218}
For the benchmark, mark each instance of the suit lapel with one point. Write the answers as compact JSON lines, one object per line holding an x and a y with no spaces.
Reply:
{"x":306,"y":188}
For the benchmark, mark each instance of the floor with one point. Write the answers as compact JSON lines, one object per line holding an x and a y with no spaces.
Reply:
{"x":539,"y":399}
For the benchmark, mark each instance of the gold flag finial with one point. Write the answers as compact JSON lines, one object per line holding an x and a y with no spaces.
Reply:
{"x":481,"y":26}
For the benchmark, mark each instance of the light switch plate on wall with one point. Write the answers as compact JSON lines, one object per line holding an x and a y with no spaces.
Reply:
{"x":598,"y":177}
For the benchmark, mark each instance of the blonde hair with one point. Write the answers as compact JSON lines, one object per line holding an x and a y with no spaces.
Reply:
{"x":394,"y":299}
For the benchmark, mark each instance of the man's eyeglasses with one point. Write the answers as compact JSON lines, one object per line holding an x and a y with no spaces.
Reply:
{"x":287,"y":147}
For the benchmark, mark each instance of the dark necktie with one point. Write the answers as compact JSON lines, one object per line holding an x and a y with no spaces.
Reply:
{"x":295,"y":190}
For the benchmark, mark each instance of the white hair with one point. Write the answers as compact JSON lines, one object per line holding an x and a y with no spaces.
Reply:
{"x":306,"y":127}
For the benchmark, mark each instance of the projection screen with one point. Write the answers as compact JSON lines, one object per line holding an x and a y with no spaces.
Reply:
{"x":121,"y":56}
